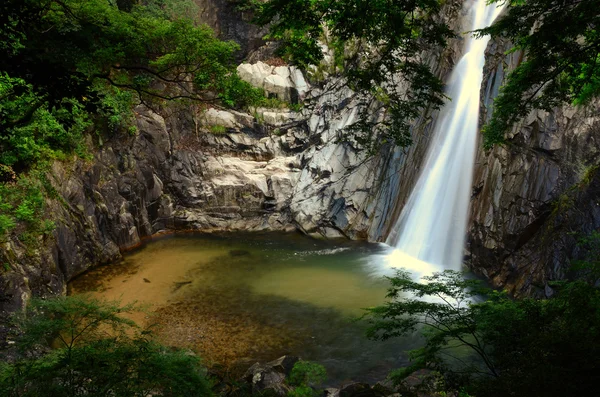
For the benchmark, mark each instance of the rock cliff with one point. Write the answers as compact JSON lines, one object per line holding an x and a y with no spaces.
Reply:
{"x":537,"y":196}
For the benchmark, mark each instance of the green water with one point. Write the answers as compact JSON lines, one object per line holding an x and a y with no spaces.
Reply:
{"x":239,"y":298}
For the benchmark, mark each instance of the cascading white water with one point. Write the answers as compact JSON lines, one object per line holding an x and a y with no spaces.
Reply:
{"x":430,"y":232}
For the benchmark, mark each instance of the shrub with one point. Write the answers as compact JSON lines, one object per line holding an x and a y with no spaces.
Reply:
{"x":304,"y":376}
{"x":98,"y":352}
{"x":526,"y":347}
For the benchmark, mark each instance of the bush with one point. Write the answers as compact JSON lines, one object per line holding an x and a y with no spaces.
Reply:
{"x":97,"y":352}
{"x":525,"y":347}
{"x":23,"y":201}
{"x":304,"y":376}
{"x":237,"y":93}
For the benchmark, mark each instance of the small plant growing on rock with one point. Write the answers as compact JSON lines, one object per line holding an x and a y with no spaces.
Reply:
{"x":304,"y":376}
{"x":218,"y":129}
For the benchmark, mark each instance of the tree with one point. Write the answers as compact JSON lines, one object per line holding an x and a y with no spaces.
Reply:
{"x":561,"y":43}
{"x":69,"y":65}
{"x":380,"y":43}
{"x":525,"y":347}
{"x":78,"y":346}
{"x":441,"y":306}
{"x":65,"y":61}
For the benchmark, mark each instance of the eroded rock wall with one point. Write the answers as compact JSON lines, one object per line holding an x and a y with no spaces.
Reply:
{"x":536,"y":196}
{"x":344,"y":191}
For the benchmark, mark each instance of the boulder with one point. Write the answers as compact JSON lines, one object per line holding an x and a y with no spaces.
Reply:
{"x":285,"y":82}
{"x":331,"y":392}
{"x":269,"y":378}
{"x":283,"y":364}
{"x":384,"y":388}
{"x":357,"y":389}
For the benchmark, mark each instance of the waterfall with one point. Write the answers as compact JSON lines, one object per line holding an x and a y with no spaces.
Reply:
{"x":430,"y":232}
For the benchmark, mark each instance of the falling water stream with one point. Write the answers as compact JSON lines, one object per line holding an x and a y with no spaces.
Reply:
{"x":430,"y":232}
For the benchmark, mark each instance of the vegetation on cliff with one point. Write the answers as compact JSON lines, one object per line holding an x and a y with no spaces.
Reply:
{"x":560,"y":41}
{"x":379,"y":43}
{"x":69,"y":65}
{"x":500,"y":346}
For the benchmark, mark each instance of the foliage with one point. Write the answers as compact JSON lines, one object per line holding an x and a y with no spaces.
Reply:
{"x":173,"y":9}
{"x":22,"y":200}
{"x":304,"y":376}
{"x":105,"y":56}
{"x":525,"y":347}
{"x":389,"y":36}
{"x":561,"y":42}
{"x":31,"y":129}
{"x":445,"y":314}
{"x":218,"y":129}
{"x":68,"y":65}
{"x":237,"y":93}
{"x":98,"y":353}
{"x":588,"y":267}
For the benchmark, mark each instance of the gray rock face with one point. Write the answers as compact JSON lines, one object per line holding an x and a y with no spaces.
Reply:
{"x":534,"y":197}
{"x":341,"y":192}
{"x":284,"y":82}
{"x":229,"y":23}
{"x":164,"y":178}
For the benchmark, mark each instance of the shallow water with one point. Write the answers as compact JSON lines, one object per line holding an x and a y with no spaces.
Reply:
{"x":239,"y":298}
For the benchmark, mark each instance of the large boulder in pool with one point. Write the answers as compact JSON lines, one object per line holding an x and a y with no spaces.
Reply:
{"x":269,"y":379}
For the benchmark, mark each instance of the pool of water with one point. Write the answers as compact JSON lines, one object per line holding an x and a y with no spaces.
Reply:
{"x":241,"y":298}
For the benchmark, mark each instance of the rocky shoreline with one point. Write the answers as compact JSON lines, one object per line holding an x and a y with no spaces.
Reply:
{"x":272,"y":379}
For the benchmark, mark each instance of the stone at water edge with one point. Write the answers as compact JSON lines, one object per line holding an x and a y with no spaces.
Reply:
{"x":358,"y":389}
{"x":270,"y":377}
{"x":331,"y":392}
{"x":284,"y":364}
{"x":384,"y":388}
